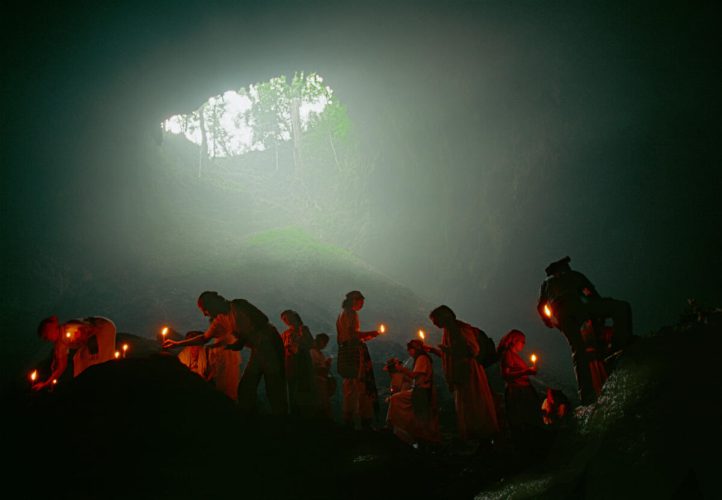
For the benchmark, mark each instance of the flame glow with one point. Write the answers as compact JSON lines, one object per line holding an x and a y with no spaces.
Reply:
{"x":34,"y":375}
{"x":422,"y":335}
{"x":533,"y":358}
{"x":382,"y":328}
{"x":117,"y":354}
{"x":125,"y":347}
{"x":547,"y":311}
{"x":164,"y":331}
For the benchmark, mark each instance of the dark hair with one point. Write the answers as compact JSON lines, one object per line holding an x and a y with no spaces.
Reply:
{"x":258,"y":319}
{"x":415,"y":344}
{"x":322,"y":337}
{"x":350,"y":297}
{"x":214,"y":303}
{"x":441,"y":312}
{"x":509,"y":340}
{"x":292,"y":314}
{"x":44,"y":324}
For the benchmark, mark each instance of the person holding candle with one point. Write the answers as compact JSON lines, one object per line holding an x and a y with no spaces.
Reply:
{"x":522,"y":403}
{"x":413,"y":413}
{"x":568,"y":300}
{"x":475,"y":408}
{"x":353,"y":361}
{"x":225,"y":363}
{"x":92,"y":339}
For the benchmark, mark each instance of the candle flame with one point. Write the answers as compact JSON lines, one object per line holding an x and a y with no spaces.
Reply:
{"x":422,"y":335}
{"x":533,"y":358}
{"x":117,"y":354}
{"x":382,"y":328}
{"x":547,"y":311}
{"x":164,"y":331}
{"x":55,"y":381}
{"x":68,"y":335}
{"x":125,"y":347}
{"x":34,"y":375}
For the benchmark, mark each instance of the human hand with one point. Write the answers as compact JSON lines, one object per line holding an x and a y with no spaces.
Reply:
{"x":39,"y":386}
{"x":168,"y":343}
{"x":532,"y":370}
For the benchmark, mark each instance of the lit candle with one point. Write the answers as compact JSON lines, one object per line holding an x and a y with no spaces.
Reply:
{"x":533,"y":359}
{"x":33,"y":376}
{"x":55,"y":381}
{"x":422,"y":336}
{"x":163,"y":333}
{"x":117,"y":354}
{"x":382,"y":328}
{"x":547,"y":311}
{"x":125,"y":349}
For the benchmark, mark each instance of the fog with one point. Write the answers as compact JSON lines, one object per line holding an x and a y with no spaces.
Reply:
{"x":490,"y":139}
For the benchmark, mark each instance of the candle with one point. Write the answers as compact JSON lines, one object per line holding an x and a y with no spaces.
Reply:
{"x":33,"y":376}
{"x":163,"y":333}
{"x":382,"y":328}
{"x":422,"y":335}
{"x":533,"y":359}
{"x":117,"y":354}
{"x":547,"y":311}
{"x":125,"y":349}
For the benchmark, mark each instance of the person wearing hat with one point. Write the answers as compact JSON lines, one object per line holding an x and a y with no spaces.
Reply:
{"x":414,"y":413}
{"x":352,"y":362}
{"x":569,"y":301}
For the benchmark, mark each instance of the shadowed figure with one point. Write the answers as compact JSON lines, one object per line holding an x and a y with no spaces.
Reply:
{"x":92,"y":339}
{"x":570,"y":302}
{"x":325,"y":383}
{"x":297,"y":342}
{"x":466,"y":377}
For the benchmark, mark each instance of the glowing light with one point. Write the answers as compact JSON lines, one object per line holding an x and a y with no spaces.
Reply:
{"x":547,"y":311}
{"x":117,"y":354}
{"x":125,"y":347}
{"x":68,"y":334}
{"x":55,"y":381}
{"x":382,"y":328}
{"x":422,"y":335}
{"x":164,"y":331}
{"x":533,"y":359}
{"x":33,"y":375}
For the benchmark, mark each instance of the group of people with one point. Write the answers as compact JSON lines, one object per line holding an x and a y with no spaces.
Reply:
{"x":297,"y":374}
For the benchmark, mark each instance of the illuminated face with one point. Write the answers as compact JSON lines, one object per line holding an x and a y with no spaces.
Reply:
{"x":519,"y":345}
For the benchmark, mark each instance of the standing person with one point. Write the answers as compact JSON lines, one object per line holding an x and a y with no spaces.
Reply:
{"x":567,"y":300}
{"x":225,"y":363}
{"x":325,"y":383}
{"x":297,"y":342}
{"x":473,"y":399}
{"x":93,"y":340}
{"x":523,"y":406}
{"x":353,"y":361}
{"x":195,"y":357}
{"x":414,"y":413}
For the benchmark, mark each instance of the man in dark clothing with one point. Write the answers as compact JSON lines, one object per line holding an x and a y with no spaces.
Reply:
{"x":566,"y":301}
